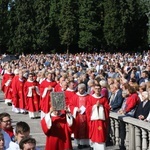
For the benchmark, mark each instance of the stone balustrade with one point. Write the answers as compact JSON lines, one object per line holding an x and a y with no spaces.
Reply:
{"x":130,"y":133}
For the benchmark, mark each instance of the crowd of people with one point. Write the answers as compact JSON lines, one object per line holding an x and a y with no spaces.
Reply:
{"x":93,"y":85}
{"x":17,"y":138}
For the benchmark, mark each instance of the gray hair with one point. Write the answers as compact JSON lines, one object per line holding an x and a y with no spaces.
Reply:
{"x":81,"y":86}
{"x":103,"y":83}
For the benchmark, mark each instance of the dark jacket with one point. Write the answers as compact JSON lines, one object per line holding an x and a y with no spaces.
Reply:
{"x":142,"y":110}
{"x":116,"y":103}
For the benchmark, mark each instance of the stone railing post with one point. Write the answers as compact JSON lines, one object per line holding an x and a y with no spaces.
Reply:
{"x":144,"y":140}
{"x":149,"y":139}
{"x":137,"y":139}
{"x":112,"y":132}
{"x":127,"y":137}
{"x":117,"y":132}
{"x":130,"y":133}
{"x":132,"y":137}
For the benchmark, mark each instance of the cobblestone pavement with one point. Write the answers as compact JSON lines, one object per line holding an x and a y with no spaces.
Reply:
{"x":36,"y":131}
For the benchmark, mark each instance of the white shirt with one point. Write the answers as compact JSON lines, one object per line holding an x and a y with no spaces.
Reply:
{"x":13,"y":146}
{"x":148,"y":117}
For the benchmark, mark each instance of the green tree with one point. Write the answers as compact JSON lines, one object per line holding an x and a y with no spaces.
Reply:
{"x":136,"y":27}
{"x":12,"y":24}
{"x":42,"y":25}
{"x":54,"y":21}
{"x":23,"y":38}
{"x":3,"y":24}
{"x":124,"y":24}
{"x":67,"y":22}
{"x":90,"y":24}
{"x":114,"y":20}
{"x":145,"y":6}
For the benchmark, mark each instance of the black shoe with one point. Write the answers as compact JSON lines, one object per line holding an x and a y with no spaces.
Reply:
{"x":37,"y":117}
{"x":80,"y":146}
{"x":9,"y":104}
{"x":109,"y":143}
{"x":122,"y":147}
{"x":86,"y":146}
{"x":72,"y":138}
{"x":25,"y":113}
{"x":33,"y":118}
{"x":18,"y":113}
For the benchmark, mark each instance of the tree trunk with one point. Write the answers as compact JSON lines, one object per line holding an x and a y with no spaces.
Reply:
{"x":67,"y":50}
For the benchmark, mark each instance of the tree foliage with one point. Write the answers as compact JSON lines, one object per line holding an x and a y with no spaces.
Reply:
{"x":42,"y":24}
{"x":52,"y":25}
{"x":67,"y":22}
{"x":3,"y":24}
{"x":90,"y":24}
{"x":24,"y":29}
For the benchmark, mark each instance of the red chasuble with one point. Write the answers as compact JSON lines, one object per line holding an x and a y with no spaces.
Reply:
{"x":98,"y":128}
{"x":69,"y":94}
{"x":6,"y":77}
{"x":32,"y":96}
{"x":81,"y":130}
{"x":18,"y":93}
{"x":59,"y":134}
{"x":45,"y":95}
{"x":8,"y":87}
{"x":58,"y":88}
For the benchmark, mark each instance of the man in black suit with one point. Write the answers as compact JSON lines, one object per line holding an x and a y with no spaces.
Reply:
{"x":143,"y":108}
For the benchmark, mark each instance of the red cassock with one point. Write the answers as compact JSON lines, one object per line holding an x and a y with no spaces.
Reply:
{"x":68,"y":96}
{"x":59,"y":134}
{"x":45,"y":94}
{"x":18,"y":93}
{"x":32,"y":96}
{"x":98,"y":128}
{"x":12,"y":84}
{"x":6,"y":77}
{"x":41,"y":80}
{"x":81,"y":130}
{"x":58,"y":88}
{"x":7,"y":85}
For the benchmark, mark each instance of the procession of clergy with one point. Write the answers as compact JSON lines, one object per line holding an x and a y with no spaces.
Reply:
{"x":86,"y":112}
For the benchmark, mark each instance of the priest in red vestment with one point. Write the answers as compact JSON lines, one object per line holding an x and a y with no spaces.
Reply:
{"x":46,"y":87}
{"x":58,"y":87}
{"x":78,"y":106}
{"x":70,"y":92}
{"x":16,"y":76}
{"x":18,"y":94}
{"x":32,"y":96}
{"x":98,"y":116}
{"x":6,"y":85}
{"x":57,"y":126}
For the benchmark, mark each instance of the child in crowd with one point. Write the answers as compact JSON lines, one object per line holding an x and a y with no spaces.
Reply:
{"x":27,"y":143}
{"x":22,"y":130}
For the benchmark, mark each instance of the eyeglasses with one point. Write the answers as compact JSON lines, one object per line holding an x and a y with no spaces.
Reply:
{"x":7,"y":121}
